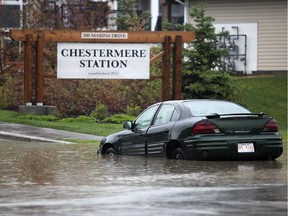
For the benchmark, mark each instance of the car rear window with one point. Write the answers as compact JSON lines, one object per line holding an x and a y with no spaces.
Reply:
{"x":203,"y":108}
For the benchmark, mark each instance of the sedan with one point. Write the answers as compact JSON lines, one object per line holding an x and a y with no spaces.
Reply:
{"x":197,"y":130}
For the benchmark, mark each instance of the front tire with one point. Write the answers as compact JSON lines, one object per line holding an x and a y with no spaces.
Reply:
{"x":178,"y":154}
{"x":110,"y":152}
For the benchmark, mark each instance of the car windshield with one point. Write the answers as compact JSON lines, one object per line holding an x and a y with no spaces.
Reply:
{"x":203,"y":108}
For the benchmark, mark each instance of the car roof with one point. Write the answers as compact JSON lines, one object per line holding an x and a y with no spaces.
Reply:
{"x":194,"y":100}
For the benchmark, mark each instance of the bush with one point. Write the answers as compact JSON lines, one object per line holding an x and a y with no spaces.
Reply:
{"x":133,"y":110}
{"x":83,"y":119}
{"x":100,"y":112}
{"x":11,"y":91}
{"x":119,"y":118}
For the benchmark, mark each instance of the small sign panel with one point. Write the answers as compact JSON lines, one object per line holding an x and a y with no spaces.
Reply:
{"x":104,"y":35}
{"x":103,"y":61}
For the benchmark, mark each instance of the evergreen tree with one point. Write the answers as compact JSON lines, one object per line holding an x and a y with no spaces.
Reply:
{"x":129,"y":19}
{"x":202,"y":77}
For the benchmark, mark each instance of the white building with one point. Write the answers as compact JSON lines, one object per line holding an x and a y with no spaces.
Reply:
{"x":268,"y":37}
{"x":262,"y":22}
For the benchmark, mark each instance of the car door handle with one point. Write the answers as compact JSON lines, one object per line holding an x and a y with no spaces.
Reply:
{"x":166,"y":132}
{"x":141,"y":135}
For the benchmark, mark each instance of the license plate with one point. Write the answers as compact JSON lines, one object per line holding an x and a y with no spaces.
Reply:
{"x":245,"y":147}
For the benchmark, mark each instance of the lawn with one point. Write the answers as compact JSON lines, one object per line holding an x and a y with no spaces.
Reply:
{"x":267,"y":94}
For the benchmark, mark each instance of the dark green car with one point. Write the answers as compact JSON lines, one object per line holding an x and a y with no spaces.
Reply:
{"x":197,"y":130}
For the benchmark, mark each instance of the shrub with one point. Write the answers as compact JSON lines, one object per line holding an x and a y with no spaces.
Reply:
{"x":83,"y":119}
{"x":133,"y":110}
{"x":119,"y":118}
{"x":11,"y":91}
{"x":100,"y":112}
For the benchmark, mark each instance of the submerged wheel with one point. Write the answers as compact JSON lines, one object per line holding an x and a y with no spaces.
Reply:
{"x":178,"y":154}
{"x":110,"y":152}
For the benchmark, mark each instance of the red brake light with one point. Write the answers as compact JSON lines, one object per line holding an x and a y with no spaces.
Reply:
{"x":205,"y":127}
{"x":271,"y":126}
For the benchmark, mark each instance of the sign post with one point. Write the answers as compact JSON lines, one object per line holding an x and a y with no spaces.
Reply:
{"x":169,"y":39}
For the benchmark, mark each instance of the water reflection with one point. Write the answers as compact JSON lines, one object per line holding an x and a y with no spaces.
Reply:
{"x":58,"y":179}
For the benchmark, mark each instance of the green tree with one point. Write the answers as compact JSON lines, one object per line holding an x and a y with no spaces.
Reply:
{"x":202,"y":60}
{"x":128,"y":17}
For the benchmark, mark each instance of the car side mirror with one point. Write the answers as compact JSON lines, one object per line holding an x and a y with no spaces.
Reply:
{"x":128,"y":125}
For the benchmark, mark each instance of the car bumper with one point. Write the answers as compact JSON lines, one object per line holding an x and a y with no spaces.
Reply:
{"x":226,"y":147}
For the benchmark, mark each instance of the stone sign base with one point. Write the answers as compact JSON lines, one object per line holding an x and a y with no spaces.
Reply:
{"x":37,"y":110}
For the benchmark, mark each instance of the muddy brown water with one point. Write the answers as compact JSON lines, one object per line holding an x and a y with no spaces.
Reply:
{"x":63,"y":179}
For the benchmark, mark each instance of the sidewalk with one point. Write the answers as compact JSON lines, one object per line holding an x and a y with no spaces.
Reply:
{"x":31,"y":133}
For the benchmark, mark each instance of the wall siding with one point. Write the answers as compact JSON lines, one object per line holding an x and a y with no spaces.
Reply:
{"x":271,"y":16}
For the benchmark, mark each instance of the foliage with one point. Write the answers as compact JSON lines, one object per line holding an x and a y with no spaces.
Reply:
{"x":133,"y":110}
{"x":119,"y":118}
{"x":129,"y":19}
{"x":211,"y":84}
{"x":84,"y":119}
{"x":11,"y":90}
{"x":201,"y":77}
{"x":166,"y":25}
{"x":45,"y":14}
{"x":100,"y":112}
{"x":79,"y":97}
{"x":39,"y":118}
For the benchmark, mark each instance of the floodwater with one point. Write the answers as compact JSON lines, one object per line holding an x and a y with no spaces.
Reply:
{"x":63,"y":179}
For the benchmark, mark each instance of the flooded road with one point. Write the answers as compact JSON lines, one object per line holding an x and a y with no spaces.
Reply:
{"x":62,"y":179}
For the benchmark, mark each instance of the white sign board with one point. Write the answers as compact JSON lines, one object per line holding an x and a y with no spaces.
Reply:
{"x":103,"y":61}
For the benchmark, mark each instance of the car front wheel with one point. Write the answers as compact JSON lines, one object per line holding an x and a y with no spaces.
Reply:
{"x":178,"y":154}
{"x":110,"y":152}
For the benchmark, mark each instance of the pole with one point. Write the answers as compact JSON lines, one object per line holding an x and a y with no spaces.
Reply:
{"x":166,"y":69}
{"x":28,"y":70}
{"x":39,"y":70}
{"x":177,"y":69}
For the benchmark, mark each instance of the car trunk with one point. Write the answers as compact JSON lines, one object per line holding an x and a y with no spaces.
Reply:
{"x":240,"y":125}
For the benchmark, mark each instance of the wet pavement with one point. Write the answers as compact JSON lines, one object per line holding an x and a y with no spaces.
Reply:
{"x":31,"y":133}
{"x":48,"y":178}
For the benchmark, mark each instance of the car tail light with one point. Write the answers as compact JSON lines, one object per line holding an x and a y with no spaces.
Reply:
{"x":205,"y":127}
{"x":271,"y":126}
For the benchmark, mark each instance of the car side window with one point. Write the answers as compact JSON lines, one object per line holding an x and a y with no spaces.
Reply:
{"x":166,"y":114}
{"x":175,"y":115}
{"x":145,"y":118}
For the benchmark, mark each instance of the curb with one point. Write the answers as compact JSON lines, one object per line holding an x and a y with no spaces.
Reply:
{"x":12,"y":136}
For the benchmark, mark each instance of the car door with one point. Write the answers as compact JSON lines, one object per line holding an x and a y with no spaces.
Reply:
{"x":158,"y":134}
{"x":134,"y":141}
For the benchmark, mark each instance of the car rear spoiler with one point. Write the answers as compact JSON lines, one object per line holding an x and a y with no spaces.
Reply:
{"x":216,"y":115}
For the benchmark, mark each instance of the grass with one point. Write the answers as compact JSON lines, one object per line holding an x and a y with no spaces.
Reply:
{"x":269,"y":95}
{"x":262,"y":94}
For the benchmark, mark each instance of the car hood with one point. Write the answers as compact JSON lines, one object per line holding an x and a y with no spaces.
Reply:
{"x":112,"y":138}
